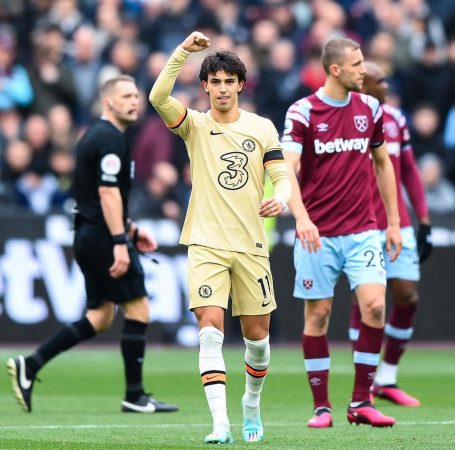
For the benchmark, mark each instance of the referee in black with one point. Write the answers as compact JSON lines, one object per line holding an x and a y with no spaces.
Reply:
{"x":106,"y":248}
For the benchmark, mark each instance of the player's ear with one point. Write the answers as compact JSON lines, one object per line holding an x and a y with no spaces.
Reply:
{"x":334,"y":70}
{"x":240,"y":88}
{"x":204,"y":86}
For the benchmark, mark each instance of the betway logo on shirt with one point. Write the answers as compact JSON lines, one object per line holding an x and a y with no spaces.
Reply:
{"x":341,"y":145}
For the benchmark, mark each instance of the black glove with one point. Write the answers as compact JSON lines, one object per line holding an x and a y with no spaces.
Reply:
{"x":424,"y":244}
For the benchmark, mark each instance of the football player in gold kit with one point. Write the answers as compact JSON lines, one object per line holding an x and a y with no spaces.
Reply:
{"x":229,"y":151}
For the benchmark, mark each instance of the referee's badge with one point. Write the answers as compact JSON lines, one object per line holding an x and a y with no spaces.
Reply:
{"x":111,"y":164}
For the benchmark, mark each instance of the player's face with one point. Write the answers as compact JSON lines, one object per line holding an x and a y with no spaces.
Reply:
{"x":376,"y":85}
{"x":352,"y":71}
{"x":223,"y":90}
{"x":124,"y":102}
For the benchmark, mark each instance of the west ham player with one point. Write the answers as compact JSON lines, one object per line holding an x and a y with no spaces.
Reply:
{"x":404,"y":273}
{"x":329,"y":137}
{"x":229,"y":150}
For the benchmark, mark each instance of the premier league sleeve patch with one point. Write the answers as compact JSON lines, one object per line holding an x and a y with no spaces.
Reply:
{"x":110,"y":167}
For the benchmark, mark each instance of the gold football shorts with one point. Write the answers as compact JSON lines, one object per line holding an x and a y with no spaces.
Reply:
{"x":214,"y":274}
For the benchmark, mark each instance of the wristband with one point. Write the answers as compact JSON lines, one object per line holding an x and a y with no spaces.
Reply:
{"x":120,"y":239}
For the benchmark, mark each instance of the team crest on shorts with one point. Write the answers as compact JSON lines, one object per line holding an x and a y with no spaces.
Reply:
{"x":248,"y":145}
{"x":205,"y":291}
{"x":307,"y":284}
{"x":361,"y":123}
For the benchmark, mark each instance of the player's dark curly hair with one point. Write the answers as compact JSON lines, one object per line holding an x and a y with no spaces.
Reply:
{"x":222,"y":60}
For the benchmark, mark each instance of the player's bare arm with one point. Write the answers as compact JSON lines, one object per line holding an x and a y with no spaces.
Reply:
{"x":111,"y":204}
{"x":306,"y":230}
{"x":385,"y":178}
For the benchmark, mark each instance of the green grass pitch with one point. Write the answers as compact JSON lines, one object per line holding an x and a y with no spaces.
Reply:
{"x":77,"y":405}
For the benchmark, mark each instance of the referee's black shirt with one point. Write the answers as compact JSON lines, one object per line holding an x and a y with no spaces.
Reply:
{"x":102,"y":159}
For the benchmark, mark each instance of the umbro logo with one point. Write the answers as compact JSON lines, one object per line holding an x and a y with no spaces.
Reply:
{"x":322,"y":127}
{"x":214,"y":133}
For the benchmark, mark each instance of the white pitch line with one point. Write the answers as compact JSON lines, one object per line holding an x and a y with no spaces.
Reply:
{"x":180,"y":425}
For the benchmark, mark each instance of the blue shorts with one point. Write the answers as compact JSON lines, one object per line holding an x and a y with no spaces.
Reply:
{"x":406,"y":266}
{"x":358,"y":255}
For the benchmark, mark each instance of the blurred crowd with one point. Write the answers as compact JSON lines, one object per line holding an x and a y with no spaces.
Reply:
{"x":54,"y":55}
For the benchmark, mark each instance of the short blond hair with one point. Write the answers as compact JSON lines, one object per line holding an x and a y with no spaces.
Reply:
{"x":109,"y":85}
{"x":334,"y":51}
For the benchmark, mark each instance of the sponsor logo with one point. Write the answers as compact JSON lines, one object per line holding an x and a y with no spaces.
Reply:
{"x":307,"y":284}
{"x":235,"y":176}
{"x":322,"y":127}
{"x":214,"y":133}
{"x":264,"y":304}
{"x":111,"y":164}
{"x":248,"y":145}
{"x":341,"y":145}
{"x":211,"y":377}
{"x":40,"y":281}
{"x":205,"y":291}
{"x":315,"y":381}
{"x":361,"y":123}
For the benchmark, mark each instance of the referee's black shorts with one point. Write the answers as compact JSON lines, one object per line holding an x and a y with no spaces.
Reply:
{"x":93,"y":250}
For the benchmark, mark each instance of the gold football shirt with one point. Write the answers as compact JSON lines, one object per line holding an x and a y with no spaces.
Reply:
{"x":227,"y":169}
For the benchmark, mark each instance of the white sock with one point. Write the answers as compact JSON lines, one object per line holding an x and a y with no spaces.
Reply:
{"x":386,"y":374}
{"x":213,"y":375}
{"x":257,"y":359}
